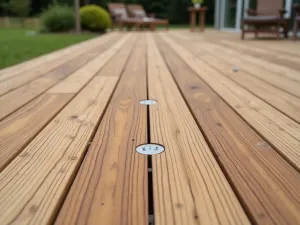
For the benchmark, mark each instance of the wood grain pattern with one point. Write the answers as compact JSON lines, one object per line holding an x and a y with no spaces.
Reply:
{"x":267,"y":185}
{"x":272,"y":67}
{"x":238,"y":60}
{"x":55,"y":56}
{"x":277,"y":97}
{"x":26,"y":123}
{"x":189,"y":186}
{"x":76,"y":59}
{"x":278,"y":129}
{"x":19,"y":97}
{"x":278,"y":80}
{"x":111,"y":186}
{"x":281,"y":47}
{"x":34,"y":184}
{"x":265,"y":54}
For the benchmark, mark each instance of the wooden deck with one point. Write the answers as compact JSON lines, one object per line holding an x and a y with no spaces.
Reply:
{"x":227,"y":113}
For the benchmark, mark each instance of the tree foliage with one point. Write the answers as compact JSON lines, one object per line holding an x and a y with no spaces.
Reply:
{"x":20,"y":7}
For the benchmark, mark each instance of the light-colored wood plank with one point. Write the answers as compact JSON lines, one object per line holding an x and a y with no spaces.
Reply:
{"x":266,"y":183}
{"x":265,"y":54}
{"x":21,"y":127}
{"x":238,"y":60}
{"x":19,"y":69}
{"x":79,"y":56}
{"x":278,"y":129}
{"x":189,"y":186}
{"x":34,"y":184}
{"x":280,"y":99}
{"x":25,"y":123}
{"x":19,"y":97}
{"x":111,"y":186}
{"x":280,"y":47}
{"x":292,"y":74}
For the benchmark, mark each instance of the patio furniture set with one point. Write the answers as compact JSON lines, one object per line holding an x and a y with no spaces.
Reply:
{"x":134,"y":15}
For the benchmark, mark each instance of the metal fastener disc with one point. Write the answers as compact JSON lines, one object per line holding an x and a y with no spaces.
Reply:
{"x":235,"y":69}
{"x":150,"y":149}
{"x":148,"y":102}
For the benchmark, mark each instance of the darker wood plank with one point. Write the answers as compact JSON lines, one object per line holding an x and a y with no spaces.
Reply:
{"x":268,"y":187}
{"x":111,"y":185}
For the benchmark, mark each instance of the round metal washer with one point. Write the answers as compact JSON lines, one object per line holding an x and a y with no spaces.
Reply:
{"x":148,"y":102}
{"x":150,"y":149}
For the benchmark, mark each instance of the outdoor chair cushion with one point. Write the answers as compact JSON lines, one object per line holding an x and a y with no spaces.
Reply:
{"x":262,"y":18}
{"x":120,"y":13}
{"x":138,"y":13}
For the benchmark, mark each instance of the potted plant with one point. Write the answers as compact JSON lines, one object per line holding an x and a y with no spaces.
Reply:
{"x":197,"y":3}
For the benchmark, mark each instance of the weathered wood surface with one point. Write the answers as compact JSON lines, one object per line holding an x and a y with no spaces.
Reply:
{"x":25,"y":123}
{"x":265,"y":182}
{"x":278,"y":129}
{"x":70,"y":122}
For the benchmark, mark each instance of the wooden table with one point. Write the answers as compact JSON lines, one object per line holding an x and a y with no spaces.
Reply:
{"x":193,"y":12}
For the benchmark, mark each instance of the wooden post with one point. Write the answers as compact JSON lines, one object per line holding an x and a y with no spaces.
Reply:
{"x":192,"y":20}
{"x":202,"y":20}
{"x":77,"y":16}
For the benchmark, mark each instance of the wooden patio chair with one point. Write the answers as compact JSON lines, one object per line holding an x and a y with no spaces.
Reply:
{"x":268,"y":14}
{"x":296,"y":20}
{"x":121,"y":18}
{"x":137,"y":11}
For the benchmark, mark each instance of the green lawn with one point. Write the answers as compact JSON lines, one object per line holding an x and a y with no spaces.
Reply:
{"x":17,"y":45}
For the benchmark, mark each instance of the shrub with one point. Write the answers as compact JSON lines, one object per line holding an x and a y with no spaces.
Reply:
{"x":95,"y":18}
{"x":58,"y":18}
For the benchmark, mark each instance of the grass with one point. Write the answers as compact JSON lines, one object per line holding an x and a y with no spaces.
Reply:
{"x":18,"y":45}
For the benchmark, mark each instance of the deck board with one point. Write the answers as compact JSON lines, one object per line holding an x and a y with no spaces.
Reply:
{"x":265,"y":182}
{"x":70,"y":122}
